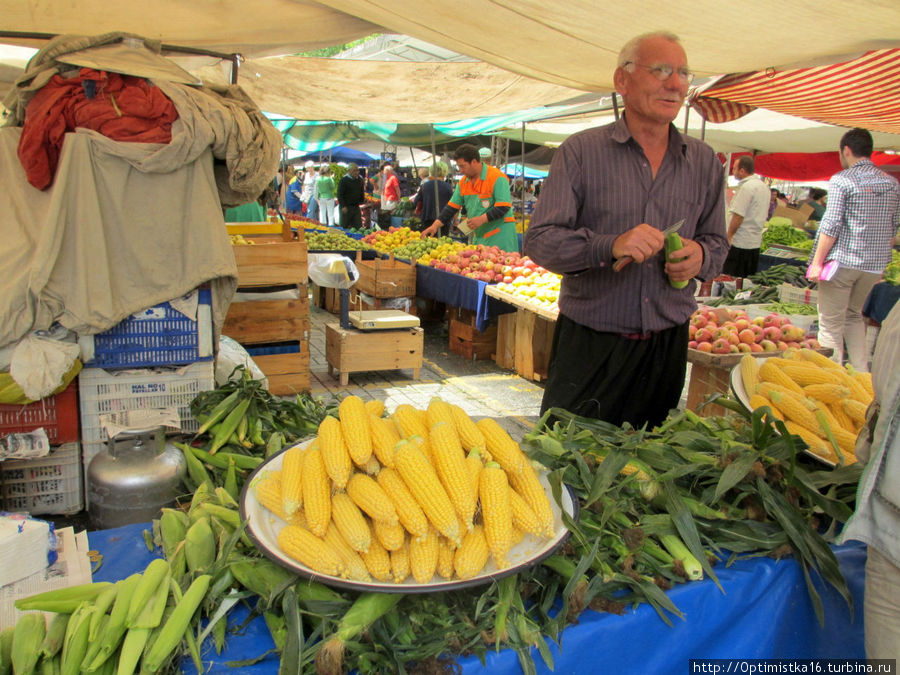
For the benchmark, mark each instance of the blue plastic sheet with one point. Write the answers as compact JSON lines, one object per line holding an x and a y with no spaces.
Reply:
{"x":764,"y":612}
{"x":459,"y":291}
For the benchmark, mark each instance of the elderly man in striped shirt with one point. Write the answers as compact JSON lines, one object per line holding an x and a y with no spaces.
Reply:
{"x":619,"y":352}
{"x":856,"y":232}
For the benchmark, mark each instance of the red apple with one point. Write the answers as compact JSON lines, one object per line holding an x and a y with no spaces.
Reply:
{"x":811,"y":343}
{"x":757,"y":332}
{"x":756,"y":347}
{"x":742,"y":324}
{"x":782,"y":345}
{"x":704,"y":335}
{"x":692,"y":331}
{"x":721,"y":346}
{"x":772,"y":333}
{"x":758,"y":321}
{"x":771,"y":320}
{"x":744,"y":348}
{"x":705,"y":346}
{"x":768,"y":346}
{"x":699,"y":320}
{"x":747,"y":336}
{"x":692,"y":344}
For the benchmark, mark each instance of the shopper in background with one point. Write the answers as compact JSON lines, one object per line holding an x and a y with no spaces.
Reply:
{"x":390,"y":189}
{"x":310,"y":177}
{"x":484,"y":192}
{"x":325,"y":195}
{"x":816,"y":200}
{"x":857,"y":233}
{"x":432,"y":208}
{"x":293,"y":194}
{"x":876,"y":520}
{"x":749,"y":210}
{"x":351,"y":192}
{"x":619,"y":351}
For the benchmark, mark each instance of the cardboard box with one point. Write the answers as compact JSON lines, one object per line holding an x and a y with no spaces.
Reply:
{"x":797,"y":216}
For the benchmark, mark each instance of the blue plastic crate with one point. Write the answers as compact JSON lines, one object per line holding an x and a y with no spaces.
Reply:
{"x":273,"y":348}
{"x":158,"y":336}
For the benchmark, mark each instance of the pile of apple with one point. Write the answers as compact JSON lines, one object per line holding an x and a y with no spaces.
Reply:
{"x":386,"y":241}
{"x":484,"y":263}
{"x":731,"y":331}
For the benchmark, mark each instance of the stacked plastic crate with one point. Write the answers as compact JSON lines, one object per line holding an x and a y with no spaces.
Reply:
{"x":155,"y":360}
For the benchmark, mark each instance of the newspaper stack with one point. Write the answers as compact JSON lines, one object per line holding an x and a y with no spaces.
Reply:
{"x":27,"y":546}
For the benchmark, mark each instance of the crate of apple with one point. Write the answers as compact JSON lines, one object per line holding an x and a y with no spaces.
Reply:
{"x":730,"y":331}
{"x":486,"y":263}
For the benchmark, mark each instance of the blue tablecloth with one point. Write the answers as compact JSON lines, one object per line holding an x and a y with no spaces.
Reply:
{"x":881,"y":301}
{"x":459,"y":291}
{"x":764,"y":612}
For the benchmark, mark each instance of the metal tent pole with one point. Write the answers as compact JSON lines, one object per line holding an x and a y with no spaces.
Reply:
{"x":615,"y":102}
{"x":519,"y":246}
{"x":437,"y":202}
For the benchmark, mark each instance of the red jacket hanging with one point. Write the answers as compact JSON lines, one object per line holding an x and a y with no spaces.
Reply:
{"x":122,"y":107}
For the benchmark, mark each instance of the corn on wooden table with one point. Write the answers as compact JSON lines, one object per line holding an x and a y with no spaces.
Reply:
{"x":763,"y":611}
{"x":349,"y":350}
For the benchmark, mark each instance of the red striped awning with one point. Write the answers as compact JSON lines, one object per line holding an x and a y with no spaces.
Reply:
{"x":864,"y":92}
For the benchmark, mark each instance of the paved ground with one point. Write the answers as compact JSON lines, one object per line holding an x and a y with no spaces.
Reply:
{"x":480,"y":387}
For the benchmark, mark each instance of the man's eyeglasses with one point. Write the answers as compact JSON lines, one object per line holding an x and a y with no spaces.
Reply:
{"x":663,"y":71}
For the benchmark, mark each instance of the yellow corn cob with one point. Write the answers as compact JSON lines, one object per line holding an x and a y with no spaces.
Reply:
{"x":857,"y":391}
{"x":424,"y":445}
{"x":368,"y":495}
{"x":758,"y":401}
{"x":411,"y":515}
{"x":474,"y":466}
{"x":827,"y":393}
{"x":377,"y":559}
{"x":439,"y":411}
{"x":384,"y":438}
{"x":865,"y":379}
{"x":268,"y":493}
{"x":523,"y":517}
{"x":855,"y":410}
{"x":517,"y":536}
{"x":355,"y":427}
{"x":449,"y":461}
{"x":837,"y":409}
{"x":400,"y":562}
{"x":423,"y":557}
{"x":375,"y":407}
{"x":445,"y":558}
{"x":845,"y":438}
{"x":470,"y":435}
{"x":766,"y":389}
{"x":354,"y":567}
{"x":749,"y":373}
{"x":530,"y":489}
{"x":817,"y":445}
{"x":305,"y":547}
{"x":389,"y":535}
{"x":469,"y":559}
{"x":291,"y":491}
{"x":822,"y":408}
{"x":350,"y":522}
{"x":820,"y":360}
{"x":496,"y":513}
{"x":316,"y":492}
{"x":504,"y":450}
{"x":409,"y":422}
{"x":372,"y":467}
{"x":334,"y":451}
{"x":770,"y":372}
{"x":795,"y":408}
{"x":426,"y":488}
{"x":806,"y":374}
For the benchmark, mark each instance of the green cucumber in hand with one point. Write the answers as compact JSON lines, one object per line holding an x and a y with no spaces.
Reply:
{"x":673,"y":244}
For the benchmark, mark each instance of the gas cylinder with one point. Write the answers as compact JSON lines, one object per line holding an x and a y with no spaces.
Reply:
{"x":133,"y":478}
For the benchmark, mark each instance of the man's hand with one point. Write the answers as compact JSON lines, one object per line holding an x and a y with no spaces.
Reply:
{"x":432,"y":229}
{"x":689,"y":261}
{"x":477,"y":221}
{"x":641,"y":242}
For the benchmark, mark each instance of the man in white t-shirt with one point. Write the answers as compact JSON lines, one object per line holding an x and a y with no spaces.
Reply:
{"x":748,"y":212}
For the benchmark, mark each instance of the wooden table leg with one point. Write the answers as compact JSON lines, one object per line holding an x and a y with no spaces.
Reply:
{"x":345,"y":378}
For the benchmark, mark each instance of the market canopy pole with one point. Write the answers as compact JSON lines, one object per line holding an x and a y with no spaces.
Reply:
{"x":437,"y":199}
{"x":518,"y":242}
{"x":615,"y":100}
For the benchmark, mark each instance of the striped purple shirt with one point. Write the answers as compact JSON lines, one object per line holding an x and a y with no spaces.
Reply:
{"x":601,"y":185}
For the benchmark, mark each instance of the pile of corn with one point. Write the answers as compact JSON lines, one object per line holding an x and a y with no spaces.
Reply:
{"x":419,"y":492}
{"x":819,"y":400}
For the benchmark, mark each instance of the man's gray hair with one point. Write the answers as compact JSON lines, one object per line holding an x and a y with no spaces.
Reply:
{"x":630,"y":51}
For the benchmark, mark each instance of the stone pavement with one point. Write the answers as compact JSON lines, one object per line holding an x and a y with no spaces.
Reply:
{"x":479,"y":387}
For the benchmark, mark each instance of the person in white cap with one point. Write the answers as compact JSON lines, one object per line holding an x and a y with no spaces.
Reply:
{"x":310,"y":177}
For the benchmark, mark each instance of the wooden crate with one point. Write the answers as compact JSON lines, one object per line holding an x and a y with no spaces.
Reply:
{"x":363,"y":302}
{"x":259,"y":321}
{"x":471,"y":343}
{"x":352,"y":351}
{"x":523,"y":343}
{"x":271,"y":262}
{"x":287,"y":373}
{"x":385,"y":278}
{"x":705,"y":381}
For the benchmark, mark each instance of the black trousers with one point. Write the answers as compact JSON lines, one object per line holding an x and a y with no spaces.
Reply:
{"x":741,"y":262}
{"x":351,"y":218}
{"x":616,"y":379}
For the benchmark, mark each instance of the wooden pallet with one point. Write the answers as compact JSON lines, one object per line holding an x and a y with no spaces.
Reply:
{"x":471,"y":343}
{"x":523,"y":343}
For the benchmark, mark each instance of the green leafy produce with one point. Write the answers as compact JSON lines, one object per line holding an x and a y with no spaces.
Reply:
{"x":785,"y":273}
{"x":758,"y":295}
{"x":783,"y":234}
{"x":792,"y":308}
{"x":892,"y":271}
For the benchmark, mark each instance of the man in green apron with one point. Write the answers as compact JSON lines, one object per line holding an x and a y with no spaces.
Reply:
{"x":484,"y":192}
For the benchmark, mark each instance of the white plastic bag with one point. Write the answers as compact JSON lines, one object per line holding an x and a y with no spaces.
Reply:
{"x":39,"y":363}
{"x":231,"y":355}
{"x":332,"y":270}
